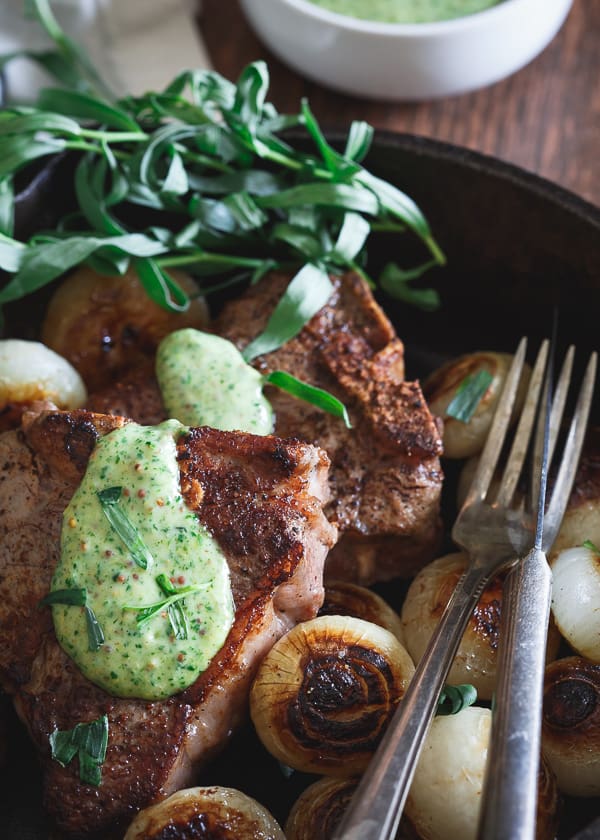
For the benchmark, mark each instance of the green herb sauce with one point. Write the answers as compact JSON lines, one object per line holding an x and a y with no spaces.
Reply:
{"x":205,"y":381}
{"x":141,"y":658}
{"x":405,"y":11}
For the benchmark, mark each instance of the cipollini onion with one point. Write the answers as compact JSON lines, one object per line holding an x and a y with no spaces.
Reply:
{"x":581,"y":521}
{"x":343,"y":598}
{"x":317,"y":812}
{"x":105,"y":325}
{"x":576,"y":599}
{"x":463,"y":439}
{"x":571,"y":724}
{"x":326,"y":691}
{"x":443,"y":801}
{"x":476,"y":657}
{"x":31,"y":371}
{"x":445,"y":796}
{"x":205,"y":812}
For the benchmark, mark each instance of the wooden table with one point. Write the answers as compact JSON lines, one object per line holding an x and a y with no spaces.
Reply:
{"x":545,"y":118}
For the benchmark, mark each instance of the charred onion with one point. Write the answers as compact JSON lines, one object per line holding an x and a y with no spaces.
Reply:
{"x":106,"y":325}
{"x":343,"y":598}
{"x":326,"y":691}
{"x":571,"y":724}
{"x":425,"y":601}
{"x":217,"y":812}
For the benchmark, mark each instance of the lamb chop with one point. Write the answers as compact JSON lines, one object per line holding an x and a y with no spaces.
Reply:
{"x":385,"y":478}
{"x":385,"y":475}
{"x":261,"y":498}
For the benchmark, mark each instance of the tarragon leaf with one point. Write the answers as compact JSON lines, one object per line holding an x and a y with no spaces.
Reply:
{"x":110,"y":501}
{"x":308,"y":292}
{"x":309,"y":393}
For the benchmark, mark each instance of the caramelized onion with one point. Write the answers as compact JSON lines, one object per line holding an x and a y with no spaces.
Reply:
{"x":326,"y":691}
{"x":343,"y":598}
{"x":30,"y":371}
{"x":463,"y":439}
{"x":215,"y":812}
{"x":106,"y":325}
{"x":571,"y":724}
{"x":425,"y":601}
{"x":317,"y":812}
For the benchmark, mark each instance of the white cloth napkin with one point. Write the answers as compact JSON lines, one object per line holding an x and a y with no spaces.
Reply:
{"x":137,"y":45}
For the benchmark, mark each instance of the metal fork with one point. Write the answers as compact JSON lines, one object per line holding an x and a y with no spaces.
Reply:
{"x":493,"y":535}
{"x":509,"y":800}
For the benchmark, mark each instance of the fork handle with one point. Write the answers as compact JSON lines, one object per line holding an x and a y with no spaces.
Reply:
{"x":376,"y":807}
{"x":510,"y":791}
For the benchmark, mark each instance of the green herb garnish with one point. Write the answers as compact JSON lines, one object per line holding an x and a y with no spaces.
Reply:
{"x":309,"y":393}
{"x":172,"y":604}
{"x":78,"y":598}
{"x":94,"y":630}
{"x":68,"y":597}
{"x":226,"y":192}
{"x":110,"y":500}
{"x":454,"y":698}
{"x":591,"y":546}
{"x":468,"y":395}
{"x":86,"y":740}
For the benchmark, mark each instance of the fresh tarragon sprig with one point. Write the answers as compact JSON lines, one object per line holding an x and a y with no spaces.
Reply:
{"x":87,"y":741}
{"x":172,"y":604}
{"x":225,"y":192}
{"x":78,"y":598}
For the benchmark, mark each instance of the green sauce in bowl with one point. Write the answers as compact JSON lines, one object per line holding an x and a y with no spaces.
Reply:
{"x":405,"y":11}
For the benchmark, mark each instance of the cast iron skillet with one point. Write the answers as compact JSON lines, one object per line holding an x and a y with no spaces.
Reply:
{"x":519,"y":248}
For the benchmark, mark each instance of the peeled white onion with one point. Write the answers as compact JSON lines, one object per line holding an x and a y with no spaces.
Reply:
{"x":344,"y":598}
{"x":317,"y":812}
{"x":319,"y":809}
{"x":581,"y":522}
{"x":106,"y":325}
{"x":426,"y":598}
{"x":326,"y":691}
{"x":205,"y":812}
{"x":443,"y":801}
{"x":571,"y":724}
{"x":463,"y":439}
{"x":31,"y":371}
{"x":576,"y":599}
{"x":445,"y":796}
{"x":476,"y":657}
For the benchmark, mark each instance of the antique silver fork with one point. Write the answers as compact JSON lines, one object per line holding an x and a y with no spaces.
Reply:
{"x":493,"y":533}
{"x":509,"y":800}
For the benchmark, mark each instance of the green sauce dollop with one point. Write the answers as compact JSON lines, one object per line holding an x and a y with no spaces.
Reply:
{"x":205,"y":381}
{"x":406,"y":11}
{"x":140,"y":659}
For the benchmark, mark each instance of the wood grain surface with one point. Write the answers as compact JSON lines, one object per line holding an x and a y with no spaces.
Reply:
{"x":545,"y":118}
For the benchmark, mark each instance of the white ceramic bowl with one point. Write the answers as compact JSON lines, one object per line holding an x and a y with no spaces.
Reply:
{"x":406,"y":61}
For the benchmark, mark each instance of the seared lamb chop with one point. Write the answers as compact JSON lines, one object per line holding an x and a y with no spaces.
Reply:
{"x":385,"y":478}
{"x":261,"y":498}
{"x":385,"y":475}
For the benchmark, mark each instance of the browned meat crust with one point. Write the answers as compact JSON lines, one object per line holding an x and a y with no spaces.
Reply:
{"x":385,"y":477}
{"x":136,"y":394}
{"x":262,"y":499}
